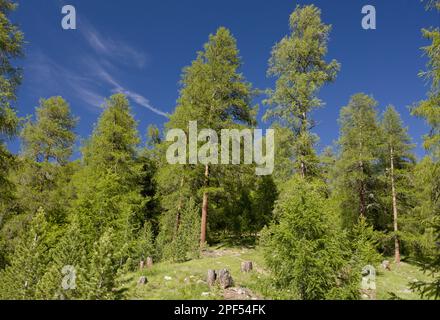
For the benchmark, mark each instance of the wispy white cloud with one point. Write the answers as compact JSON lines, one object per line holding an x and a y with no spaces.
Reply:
{"x":111,"y":48}
{"x":92,"y":73}
{"x":89,"y":96}
{"x":136,"y":97}
{"x":48,"y":74}
{"x":115,"y":51}
{"x":142,"y":101}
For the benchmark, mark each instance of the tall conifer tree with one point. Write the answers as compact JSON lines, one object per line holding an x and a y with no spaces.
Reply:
{"x":11,"y":48}
{"x":359,"y":144}
{"x":298,"y":62}
{"x":215,"y":95}
{"x":398,"y":155}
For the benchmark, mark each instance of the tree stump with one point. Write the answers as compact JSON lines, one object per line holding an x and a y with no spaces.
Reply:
{"x":246,"y":266}
{"x":225,"y":279}
{"x":142,"y":280}
{"x":212,"y":277}
{"x":141,"y":264}
{"x":149,"y":262}
{"x":386,"y":265}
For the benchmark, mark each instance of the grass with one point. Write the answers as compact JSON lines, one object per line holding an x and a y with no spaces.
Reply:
{"x":187,"y":281}
{"x":396,"y":282}
{"x":170,"y":281}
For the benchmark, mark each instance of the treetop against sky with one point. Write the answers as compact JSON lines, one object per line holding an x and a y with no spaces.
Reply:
{"x":139,"y":48}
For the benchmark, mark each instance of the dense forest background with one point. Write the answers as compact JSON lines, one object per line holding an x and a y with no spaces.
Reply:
{"x":320,"y":218}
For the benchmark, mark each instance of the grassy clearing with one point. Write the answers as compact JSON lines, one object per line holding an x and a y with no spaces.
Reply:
{"x":171,"y":281}
{"x":397,"y":281}
{"x":187,"y":280}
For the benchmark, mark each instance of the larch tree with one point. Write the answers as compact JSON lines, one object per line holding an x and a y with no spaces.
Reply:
{"x":107,"y":186}
{"x":51,"y":136}
{"x":11,"y":48}
{"x":304,"y":248}
{"x":429,"y":109}
{"x":44,"y":170}
{"x":298,"y":63}
{"x":215,"y":95}
{"x":11,"y":45}
{"x":398,"y":154}
{"x":359,"y":144}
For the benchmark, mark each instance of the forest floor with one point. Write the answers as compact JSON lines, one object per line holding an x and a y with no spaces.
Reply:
{"x":187,"y":281}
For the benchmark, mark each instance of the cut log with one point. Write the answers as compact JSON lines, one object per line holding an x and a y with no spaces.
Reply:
{"x":225,"y":279}
{"x":246,"y":266}
{"x":212,"y":277}
{"x":142,"y":280}
{"x":149,"y":262}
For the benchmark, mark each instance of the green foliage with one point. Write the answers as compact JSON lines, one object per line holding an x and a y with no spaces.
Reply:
{"x":51,"y":136}
{"x":430,"y":201}
{"x":121,"y":203}
{"x":217,"y":95}
{"x":359,"y":144}
{"x":101,"y":272}
{"x":422,"y":228}
{"x":263,"y":202}
{"x":20,"y":278}
{"x":304,"y":250}
{"x":107,"y":187}
{"x":46,"y":185}
{"x":430,"y":264}
{"x":114,"y":140}
{"x":145,"y":244}
{"x":213,"y":91}
{"x":396,"y":171}
{"x":41,"y":177}
{"x":363,"y":243}
{"x":298,"y":63}
{"x":396,"y":136}
{"x":417,"y":234}
{"x":284,"y":154}
{"x":429,"y":109}
{"x":185,"y":243}
{"x":11,"y":48}
{"x":7,"y":161}
{"x":69,"y":252}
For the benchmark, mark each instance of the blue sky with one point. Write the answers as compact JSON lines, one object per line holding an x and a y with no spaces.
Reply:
{"x":140,"y":47}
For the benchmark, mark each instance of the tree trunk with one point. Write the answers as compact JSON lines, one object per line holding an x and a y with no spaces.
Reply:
{"x":362,"y":206}
{"x":362,"y":200}
{"x":204,"y":209}
{"x":303,"y":169}
{"x":393,"y":192}
{"x":179,"y":209}
{"x":303,"y":130}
